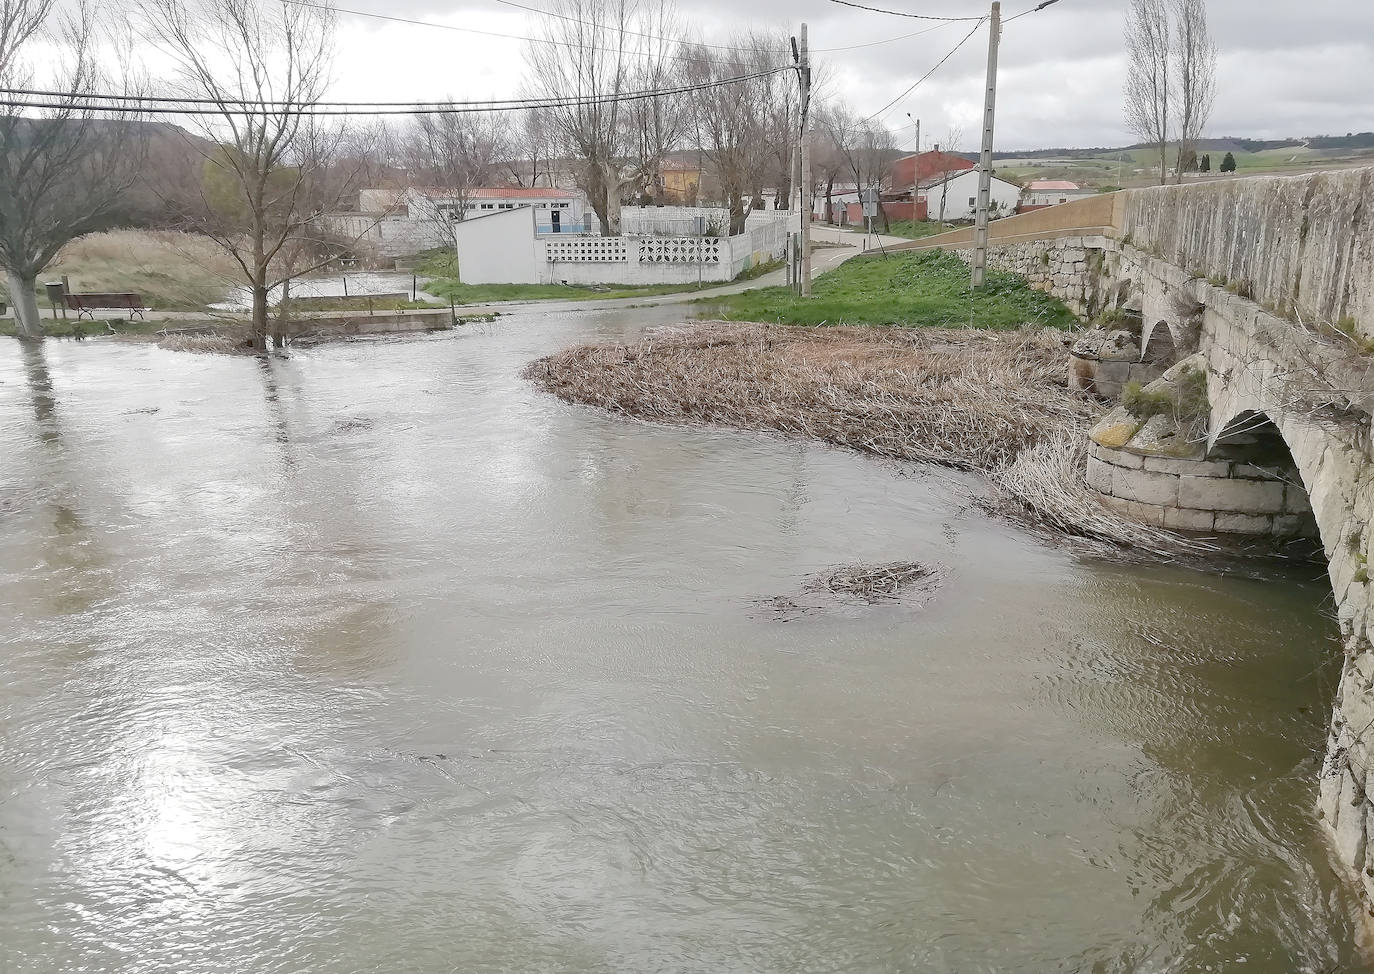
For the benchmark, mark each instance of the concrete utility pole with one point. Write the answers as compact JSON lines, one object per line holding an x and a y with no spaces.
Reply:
{"x":980,"y":233}
{"x":804,"y":66}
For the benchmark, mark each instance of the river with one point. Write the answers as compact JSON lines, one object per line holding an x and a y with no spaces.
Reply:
{"x":377,"y":659}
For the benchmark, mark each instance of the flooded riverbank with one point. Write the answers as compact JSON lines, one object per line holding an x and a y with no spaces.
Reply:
{"x":379,"y":657}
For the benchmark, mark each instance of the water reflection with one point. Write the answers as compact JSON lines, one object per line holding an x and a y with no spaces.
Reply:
{"x":389,"y":662}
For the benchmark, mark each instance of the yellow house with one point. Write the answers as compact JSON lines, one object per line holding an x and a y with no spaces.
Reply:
{"x":681,"y":183}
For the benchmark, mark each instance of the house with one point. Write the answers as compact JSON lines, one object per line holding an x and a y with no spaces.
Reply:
{"x":958,"y":192}
{"x":680,"y":182}
{"x":396,"y":224}
{"x":1040,"y":193}
{"x":927,"y":167}
{"x":557,"y":210}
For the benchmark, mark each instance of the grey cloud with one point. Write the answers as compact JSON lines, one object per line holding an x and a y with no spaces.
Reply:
{"x":1286,"y":69}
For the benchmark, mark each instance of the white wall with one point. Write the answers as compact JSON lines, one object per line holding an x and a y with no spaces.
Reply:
{"x":498,"y":248}
{"x":503,"y":249}
{"x":963,"y":188}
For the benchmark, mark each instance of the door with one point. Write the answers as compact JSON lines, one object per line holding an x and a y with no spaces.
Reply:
{"x":556,"y":216}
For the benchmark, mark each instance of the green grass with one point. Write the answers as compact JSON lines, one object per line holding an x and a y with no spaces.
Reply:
{"x":916,"y":229}
{"x":928,"y":288}
{"x":441,"y":267}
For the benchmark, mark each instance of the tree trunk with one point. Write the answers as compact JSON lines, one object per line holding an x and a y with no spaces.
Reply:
{"x":829,"y":194}
{"x":609,"y":213}
{"x":27,"y":323}
{"x":259,"y":290}
{"x":283,"y":316}
{"x":737,"y":214}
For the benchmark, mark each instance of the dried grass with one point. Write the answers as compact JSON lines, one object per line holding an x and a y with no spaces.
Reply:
{"x":871,"y":583}
{"x":994,"y":403}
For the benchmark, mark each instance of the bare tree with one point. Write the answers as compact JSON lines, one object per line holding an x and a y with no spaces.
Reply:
{"x":1195,"y":67}
{"x":1148,"y":86}
{"x":954,"y":140}
{"x":727,"y":127}
{"x":529,"y":142}
{"x":261,"y":68}
{"x":589,"y":53}
{"x":64,"y":169}
{"x":831,"y":129}
{"x":455,"y":154}
{"x":655,"y":126}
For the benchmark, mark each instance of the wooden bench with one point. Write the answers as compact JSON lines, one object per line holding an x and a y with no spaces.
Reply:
{"x":86,"y":304}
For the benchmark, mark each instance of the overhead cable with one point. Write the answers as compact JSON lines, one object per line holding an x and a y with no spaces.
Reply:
{"x":210,"y":106}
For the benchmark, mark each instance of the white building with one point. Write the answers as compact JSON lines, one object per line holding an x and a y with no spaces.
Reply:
{"x":390,"y":224}
{"x":1051,"y":192}
{"x":960,"y":194}
{"x":502,"y":247}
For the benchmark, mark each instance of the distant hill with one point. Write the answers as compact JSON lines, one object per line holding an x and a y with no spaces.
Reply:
{"x":1351,"y":140}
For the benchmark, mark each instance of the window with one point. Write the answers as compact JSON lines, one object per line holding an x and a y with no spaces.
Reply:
{"x":973,"y":201}
{"x":488,"y":206}
{"x":1063,"y":199}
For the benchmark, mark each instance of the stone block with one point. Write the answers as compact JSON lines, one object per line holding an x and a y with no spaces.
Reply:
{"x":1296,"y":501}
{"x":1350,"y":822}
{"x":1099,"y":475}
{"x":1248,"y":471}
{"x":1145,"y":486}
{"x":1188,"y":468}
{"x":1118,"y":458}
{"x":1295,"y":526}
{"x":1144,"y":513}
{"x":1242,"y":496}
{"x":1187,"y":519}
{"x":1244,"y":523}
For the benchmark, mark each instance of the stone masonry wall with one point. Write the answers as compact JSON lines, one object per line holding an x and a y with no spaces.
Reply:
{"x":1070,"y":268}
{"x":1210,"y":496}
{"x":1299,"y":245}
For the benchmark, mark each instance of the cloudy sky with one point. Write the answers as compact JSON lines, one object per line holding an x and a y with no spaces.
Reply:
{"x":1286,"y":69}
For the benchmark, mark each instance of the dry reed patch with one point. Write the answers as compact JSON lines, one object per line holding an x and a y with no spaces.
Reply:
{"x":872,"y":583}
{"x":995,"y":403}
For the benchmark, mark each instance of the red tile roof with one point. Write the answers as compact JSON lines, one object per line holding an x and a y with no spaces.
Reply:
{"x":520,"y":193}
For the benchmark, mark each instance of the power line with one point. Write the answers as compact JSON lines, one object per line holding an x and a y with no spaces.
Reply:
{"x":552,"y":43}
{"x":886,"y":108}
{"x":921,"y":80}
{"x":900,"y":13}
{"x":197,"y":106}
{"x":521,"y":37}
{"x":885,"y":40}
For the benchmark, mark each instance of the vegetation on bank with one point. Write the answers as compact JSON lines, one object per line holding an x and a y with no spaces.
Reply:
{"x":169,"y":270}
{"x":927,"y":289}
{"x":441,"y":268}
{"x":916,"y":229}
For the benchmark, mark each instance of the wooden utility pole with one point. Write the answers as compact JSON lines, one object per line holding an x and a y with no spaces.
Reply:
{"x":804,"y":67}
{"x":980,"y":233}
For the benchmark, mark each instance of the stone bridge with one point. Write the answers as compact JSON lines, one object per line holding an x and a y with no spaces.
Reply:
{"x":1263,"y":290}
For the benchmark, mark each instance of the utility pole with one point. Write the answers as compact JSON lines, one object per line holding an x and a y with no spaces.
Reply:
{"x":980,"y":233}
{"x":804,"y":68}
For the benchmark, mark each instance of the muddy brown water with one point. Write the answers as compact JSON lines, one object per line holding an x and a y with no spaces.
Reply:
{"x":377,"y":659}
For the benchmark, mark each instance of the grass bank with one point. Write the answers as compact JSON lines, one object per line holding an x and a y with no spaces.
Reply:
{"x":441,"y":268}
{"x":167,"y":269}
{"x":927,"y":289}
{"x":997,"y":404}
{"x":86,"y":328}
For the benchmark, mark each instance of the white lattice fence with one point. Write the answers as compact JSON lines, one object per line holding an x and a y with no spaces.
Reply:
{"x":680,"y":250}
{"x":588,"y":250}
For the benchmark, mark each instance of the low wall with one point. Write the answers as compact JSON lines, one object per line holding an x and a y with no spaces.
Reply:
{"x":1094,"y":215}
{"x":661,"y":260}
